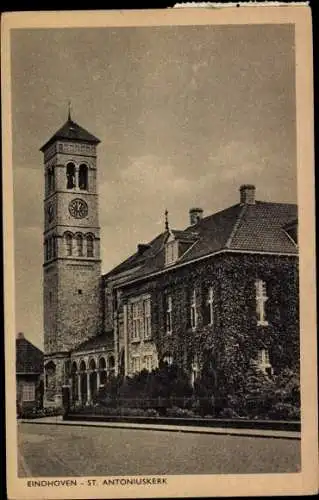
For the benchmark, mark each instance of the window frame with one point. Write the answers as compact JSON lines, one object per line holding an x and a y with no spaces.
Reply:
{"x":79,"y":244}
{"x":147,"y":317}
{"x":68,"y":237}
{"x":28,"y":388}
{"x":140,"y":324}
{"x":193,"y":311}
{"x":261,"y":299}
{"x":70,"y":173}
{"x":171,"y":252}
{"x":83,"y":175}
{"x":211,"y":303}
{"x":168,"y":315}
{"x":263,"y":361}
{"x":89,"y":246}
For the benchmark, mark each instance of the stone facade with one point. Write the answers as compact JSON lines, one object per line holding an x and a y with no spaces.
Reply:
{"x":72,"y":290}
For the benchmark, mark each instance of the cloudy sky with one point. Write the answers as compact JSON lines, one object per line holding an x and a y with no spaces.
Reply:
{"x":185,"y":115}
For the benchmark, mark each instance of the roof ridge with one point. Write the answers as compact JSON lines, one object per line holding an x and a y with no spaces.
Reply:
{"x":236,"y":225}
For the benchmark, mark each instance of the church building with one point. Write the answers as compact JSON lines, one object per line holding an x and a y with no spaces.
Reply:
{"x":221,"y":292}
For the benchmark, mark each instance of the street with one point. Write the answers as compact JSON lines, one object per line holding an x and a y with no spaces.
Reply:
{"x":57,"y":450}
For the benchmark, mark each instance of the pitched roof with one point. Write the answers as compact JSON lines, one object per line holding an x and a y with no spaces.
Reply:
{"x":73,"y":132}
{"x":103,"y":340}
{"x":29,"y":359}
{"x":258,"y":227}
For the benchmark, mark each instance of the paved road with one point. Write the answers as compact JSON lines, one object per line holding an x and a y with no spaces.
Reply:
{"x":55,"y":450}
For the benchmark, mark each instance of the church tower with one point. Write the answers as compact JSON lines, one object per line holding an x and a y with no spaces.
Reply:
{"x":72,"y":266}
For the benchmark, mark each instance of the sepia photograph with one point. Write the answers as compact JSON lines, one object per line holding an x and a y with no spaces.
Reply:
{"x":158,"y":227}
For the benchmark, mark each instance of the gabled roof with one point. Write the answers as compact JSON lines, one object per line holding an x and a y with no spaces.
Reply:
{"x":104,"y":340}
{"x":29,"y":359}
{"x":72,"y":132}
{"x":258,"y":227}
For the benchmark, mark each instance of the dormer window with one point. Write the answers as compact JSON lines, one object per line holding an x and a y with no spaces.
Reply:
{"x":171,"y":250}
{"x":291,"y":230}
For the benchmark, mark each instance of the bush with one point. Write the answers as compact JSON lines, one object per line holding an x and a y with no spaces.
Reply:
{"x":228,"y":413}
{"x":131,"y":412}
{"x":150,"y":412}
{"x":284,"y":411}
{"x":180,"y":412}
{"x":38,"y":413}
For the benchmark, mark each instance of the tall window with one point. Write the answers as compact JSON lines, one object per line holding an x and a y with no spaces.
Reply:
{"x":89,"y":245}
{"x":261,"y":299}
{"x":68,"y":243}
{"x":147,"y":317}
{"x":70,"y":176}
{"x":193,"y":312}
{"x":208,"y":305}
{"x":148,"y":362}
{"x":169,"y":309}
{"x":135,"y":321}
{"x":79,"y":245}
{"x":54,"y":246}
{"x":210,"y":302}
{"x":83,"y":177}
{"x":136,"y":364}
{"x":195,"y":370}
{"x":28,"y":391}
{"x":49,"y":248}
{"x":46,"y":256}
{"x":140,"y":324}
{"x":168,"y":359}
{"x":51,"y":180}
{"x":263,"y":361}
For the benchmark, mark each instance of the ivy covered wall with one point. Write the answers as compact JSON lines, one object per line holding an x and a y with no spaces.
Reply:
{"x":224,"y":350}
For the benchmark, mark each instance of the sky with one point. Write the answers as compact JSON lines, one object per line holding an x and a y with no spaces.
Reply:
{"x":185,"y":115}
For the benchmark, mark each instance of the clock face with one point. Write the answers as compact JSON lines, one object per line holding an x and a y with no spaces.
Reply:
{"x":78,"y":208}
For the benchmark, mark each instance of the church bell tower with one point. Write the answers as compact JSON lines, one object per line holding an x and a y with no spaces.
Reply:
{"x":72,"y":266}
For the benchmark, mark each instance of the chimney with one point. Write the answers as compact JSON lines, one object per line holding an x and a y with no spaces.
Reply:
{"x":247,"y":194}
{"x":195,"y":215}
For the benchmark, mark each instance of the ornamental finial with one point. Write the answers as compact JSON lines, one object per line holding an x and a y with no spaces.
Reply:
{"x":166,"y":221}
{"x":69,"y":110}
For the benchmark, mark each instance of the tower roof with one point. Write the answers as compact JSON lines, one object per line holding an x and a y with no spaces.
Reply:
{"x":73,"y":132}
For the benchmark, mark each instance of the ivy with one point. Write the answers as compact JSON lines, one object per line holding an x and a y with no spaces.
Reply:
{"x":225,"y":351}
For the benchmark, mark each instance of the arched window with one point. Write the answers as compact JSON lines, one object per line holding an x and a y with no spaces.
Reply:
{"x":79,"y":244}
{"x":54,"y":247}
{"x":89,"y":246}
{"x":111,"y":366}
{"x":51,"y":180}
{"x":83,"y":177}
{"x":92,"y":364}
{"x":102,"y":370}
{"x":68,"y":243}
{"x":49,"y":248}
{"x":70,"y":176}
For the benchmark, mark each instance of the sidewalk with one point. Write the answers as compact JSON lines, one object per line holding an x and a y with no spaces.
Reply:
{"x":168,"y":428}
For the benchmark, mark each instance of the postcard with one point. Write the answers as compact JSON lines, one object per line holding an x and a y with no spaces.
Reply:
{"x":160,"y":305}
